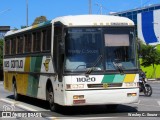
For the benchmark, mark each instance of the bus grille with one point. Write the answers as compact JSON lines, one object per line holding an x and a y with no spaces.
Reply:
{"x":105,"y":84}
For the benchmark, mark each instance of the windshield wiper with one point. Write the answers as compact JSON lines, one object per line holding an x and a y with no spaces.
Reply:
{"x":119,"y":66}
{"x":93,"y":67}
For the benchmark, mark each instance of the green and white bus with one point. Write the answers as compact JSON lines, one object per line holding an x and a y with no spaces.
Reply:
{"x":74,"y":61}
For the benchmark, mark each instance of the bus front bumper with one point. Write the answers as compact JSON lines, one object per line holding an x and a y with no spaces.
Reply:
{"x":101,"y":97}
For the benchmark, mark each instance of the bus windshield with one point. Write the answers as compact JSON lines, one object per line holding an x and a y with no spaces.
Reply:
{"x":119,"y":48}
{"x":84,"y":46}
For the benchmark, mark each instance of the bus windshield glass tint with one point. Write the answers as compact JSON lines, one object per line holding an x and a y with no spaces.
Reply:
{"x":119,"y":48}
{"x":83,"y":48}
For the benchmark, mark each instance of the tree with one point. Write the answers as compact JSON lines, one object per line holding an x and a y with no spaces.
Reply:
{"x":39,"y":19}
{"x":150,"y":56}
{"x":1,"y":53}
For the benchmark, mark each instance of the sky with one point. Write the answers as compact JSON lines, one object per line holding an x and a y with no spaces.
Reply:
{"x":13,"y":12}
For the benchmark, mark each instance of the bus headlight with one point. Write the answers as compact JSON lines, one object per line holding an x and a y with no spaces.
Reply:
{"x":131,"y":94}
{"x":74,"y":86}
{"x":78,"y":97}
{"x":130,"y":84}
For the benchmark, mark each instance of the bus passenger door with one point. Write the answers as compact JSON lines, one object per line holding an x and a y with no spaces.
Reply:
{"x":59,"y":50}
{"x":58,"y":55}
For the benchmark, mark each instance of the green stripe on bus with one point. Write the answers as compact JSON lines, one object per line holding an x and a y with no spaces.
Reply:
{"x":118,"y":78}
{"x":38,"y":64}
{"x":33,"y":80}
{"x":30,"y":83}
{"x":108,"y":78}
{"x":35,"y":65}
{"x":32,"y":64}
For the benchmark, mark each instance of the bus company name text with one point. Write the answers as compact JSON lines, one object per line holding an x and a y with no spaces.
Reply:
{"x":88,"y":79}
{"x":14,"y":64}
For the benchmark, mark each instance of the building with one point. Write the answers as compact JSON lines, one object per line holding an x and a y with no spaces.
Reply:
{"x":147,"y":21}
{"x":3,"y":30}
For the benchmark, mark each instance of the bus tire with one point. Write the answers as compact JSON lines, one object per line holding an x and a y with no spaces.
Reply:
{"x":53,"y":106}
{"x":16,"y":95}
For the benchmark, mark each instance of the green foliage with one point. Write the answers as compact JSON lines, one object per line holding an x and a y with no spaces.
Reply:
{"x":1,"y":53}
{"x":150,"y":72}
{"x":158,"y":47}
{"x":15,"y":28}
{"x":40,"y":19}
{"x":150,"y":60}
{"x":150,"y":55}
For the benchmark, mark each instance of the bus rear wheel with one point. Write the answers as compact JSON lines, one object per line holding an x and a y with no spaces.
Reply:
{"x":53,"y":106}
{"x":16,"y":95}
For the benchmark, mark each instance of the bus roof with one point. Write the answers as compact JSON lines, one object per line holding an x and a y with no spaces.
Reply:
{"x":90,"y":20}
{"x":82,"y":20}
{"x":27,"y":28}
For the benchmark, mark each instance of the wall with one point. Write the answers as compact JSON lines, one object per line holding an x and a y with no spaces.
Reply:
{"x":148,"y":26}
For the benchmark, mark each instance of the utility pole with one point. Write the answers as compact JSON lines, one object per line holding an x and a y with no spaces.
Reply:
{"x":26,"y":13}
{"x":90,"y":6}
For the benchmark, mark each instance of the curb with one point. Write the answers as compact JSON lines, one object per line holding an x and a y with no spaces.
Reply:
{"x":153,"y":79}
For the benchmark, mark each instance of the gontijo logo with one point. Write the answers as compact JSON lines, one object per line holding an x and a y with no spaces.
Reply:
{"x":46,"y":64}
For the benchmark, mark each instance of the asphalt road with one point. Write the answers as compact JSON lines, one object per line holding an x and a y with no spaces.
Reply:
{"x":149,"y":104}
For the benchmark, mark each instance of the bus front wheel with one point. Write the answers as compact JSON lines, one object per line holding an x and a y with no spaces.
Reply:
{"x":50,"y":95}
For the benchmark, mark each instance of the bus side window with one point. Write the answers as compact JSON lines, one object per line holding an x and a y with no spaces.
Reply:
{"x":28,"y":43}
{"x":7,"y":47}
{"x":13,"y":46}
{"x":20,"y":44}
{"x":36,"y":41}
{"x":46,"y":39}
